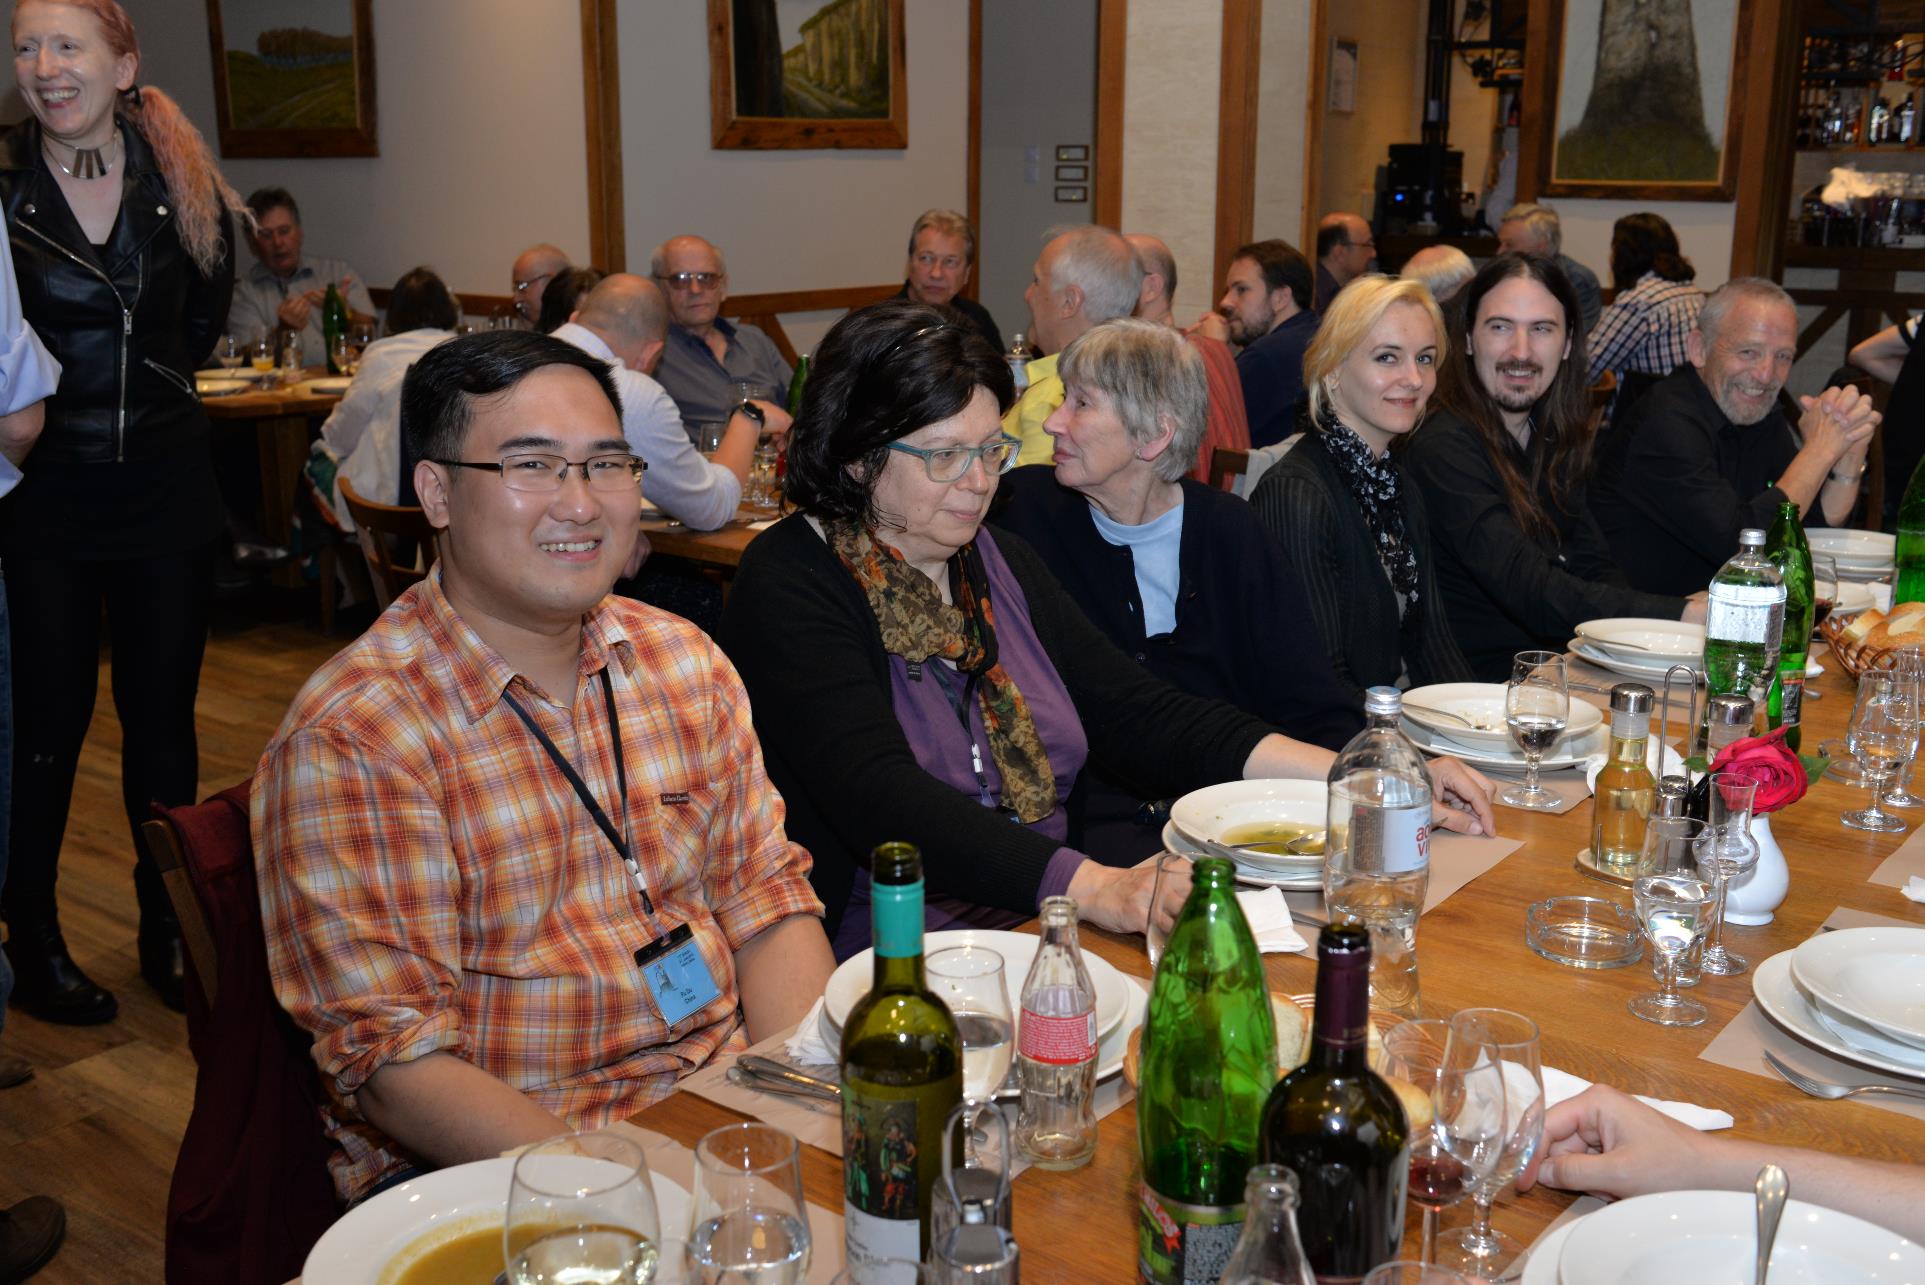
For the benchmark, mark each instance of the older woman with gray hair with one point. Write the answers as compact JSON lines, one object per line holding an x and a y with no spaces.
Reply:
{"x":1183,"y":578}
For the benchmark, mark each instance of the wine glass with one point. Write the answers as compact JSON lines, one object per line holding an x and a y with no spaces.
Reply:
{"x":1824,"y":588}
{"x":1510,"y":1041}
{"x":1673,"y":910}
{"x":1883,"y":719}
{"x":1171,"y":888}
{"x":1725,"y":850}
{"x":262,"y":353}
{"x":230,"y":352}
{"x":1537,"y":704}
{"x":1464,"y":1138}
{"x":969,"y":979}
{"x":747,"y":1222}
{"x":581,"y":1207}
{"x":1670,"y":845}
{"x":341,"y":354}
{"x":1906,"y":660}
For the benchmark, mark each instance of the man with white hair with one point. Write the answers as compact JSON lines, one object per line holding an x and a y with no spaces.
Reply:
{"x":1706,"y":452}
{"x":706,"y":354}
{"x":1085,"y":276}
{"x":1533,"y":230}
{"x":1442,"y":268}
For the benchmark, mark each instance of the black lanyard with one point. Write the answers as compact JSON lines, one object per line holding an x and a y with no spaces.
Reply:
{"x":618,"y":840}
{"x":962,"y":701}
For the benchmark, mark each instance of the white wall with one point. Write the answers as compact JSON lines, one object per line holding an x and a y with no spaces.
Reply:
{"x":1283,"y":93}
{"x":1703,"y":228}
{"x":1390,"y":91}
{"x":1170,"y":91}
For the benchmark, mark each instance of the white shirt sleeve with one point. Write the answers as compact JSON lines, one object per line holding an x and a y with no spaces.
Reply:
{"x":28,"y":372}
{"x":679,"y":481}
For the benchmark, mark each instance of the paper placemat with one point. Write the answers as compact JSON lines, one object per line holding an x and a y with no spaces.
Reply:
{"x":1741,"y":1045}
{"x":1909,"y":860}
{"x":1568,"y":784}
{"x":1455,"y":860}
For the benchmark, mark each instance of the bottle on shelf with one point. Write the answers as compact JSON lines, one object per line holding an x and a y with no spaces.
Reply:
{"x":1905,"y":120}
{"x":1269,"y":1251}
{"x":334,"y":327}
{"x":1789,"y":551}
{"x":1338,"y":1126}
{"x":1621,"y":801}
{"x":1056,"y":1048}
{"x":1378,"y":842}
{"x":901,"y":1076}
{"x":1018,"y":358}
{"x":1744,"y":621}
{"x":1209,"y":1057}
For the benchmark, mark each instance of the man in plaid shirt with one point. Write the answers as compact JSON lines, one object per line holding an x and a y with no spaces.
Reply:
{"x":521,"y":866}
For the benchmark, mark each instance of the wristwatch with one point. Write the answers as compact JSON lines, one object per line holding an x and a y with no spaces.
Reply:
{"x":754,"y":412}
{"x":1836,"y":476}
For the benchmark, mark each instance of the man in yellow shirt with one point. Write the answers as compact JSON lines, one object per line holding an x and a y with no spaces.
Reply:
{"x":1084,"y":277}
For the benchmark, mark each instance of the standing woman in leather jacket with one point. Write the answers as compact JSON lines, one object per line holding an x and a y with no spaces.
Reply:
{"x":123,"y":244}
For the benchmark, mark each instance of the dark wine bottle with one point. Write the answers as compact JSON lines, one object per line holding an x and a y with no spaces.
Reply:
{"x":334,"y":327}
{"x":901,"y":1077}
{"x":1339,"y":1126}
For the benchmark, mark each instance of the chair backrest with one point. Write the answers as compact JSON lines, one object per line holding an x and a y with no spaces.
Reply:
{"x":164,"y":844}
{"x":1226,"y":464}
{"x":1261,"y":459}
{"x":381,"y":528}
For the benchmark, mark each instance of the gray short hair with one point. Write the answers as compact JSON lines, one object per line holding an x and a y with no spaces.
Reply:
{"x":1148,"y":371}
{"x":1101,"y":264}
{"x":1154,"y":256}
{"x":949,"y":223}
{"x":658,"y":257}
{"x":1442,"y":268}
{"x":1542,"y":222}
{"x":1727,"y":296}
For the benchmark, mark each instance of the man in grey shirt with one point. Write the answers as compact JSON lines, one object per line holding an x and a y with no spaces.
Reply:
{"x":283,"y":292}
{"x":707,"y":354}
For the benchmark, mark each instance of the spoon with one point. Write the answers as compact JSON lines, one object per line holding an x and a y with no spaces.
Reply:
{"x":1441,"y":713}
{"x":1772,"y":1189}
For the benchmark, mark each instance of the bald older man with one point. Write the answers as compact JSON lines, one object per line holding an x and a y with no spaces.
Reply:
{"x":534,"y":268}
{"x":706,"y":354}
{"x":1345,"y":248}
{"x":1085,"y":276}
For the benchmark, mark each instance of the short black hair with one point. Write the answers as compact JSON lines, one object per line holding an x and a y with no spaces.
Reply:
{"x":421,"y":300}
{"x":879,"y":375}
{"x":1329,"y":238}
{"x":263,"y":199}
{"x":562,"y":294}
{"x":1282,"y":264}
{"x":438,"y":394}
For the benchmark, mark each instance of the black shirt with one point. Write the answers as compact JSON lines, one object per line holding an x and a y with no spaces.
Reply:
{"x":1271,"y":372}
{"x":978,"y":316}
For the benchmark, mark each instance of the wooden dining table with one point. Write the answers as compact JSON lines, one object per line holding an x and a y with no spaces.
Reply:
{"x":717,"y":552}
{"x":284,"y":420}
{"x":1081,"y":1225}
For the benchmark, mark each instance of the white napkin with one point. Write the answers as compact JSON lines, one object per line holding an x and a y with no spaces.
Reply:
{"x":1914,"y":888}
{"x":1559,"y":1085}
{"x":1812,"y":668}
{"x":808,"y":1046}
{"x":1269,"y":916}
{"x":1881,"y":594}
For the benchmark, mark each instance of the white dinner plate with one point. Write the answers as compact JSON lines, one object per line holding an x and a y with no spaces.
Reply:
{"x":1847,"y":545}
{"x":359,"y":1246}
{"x":1630,"y":668}
{"x":1483,"y":704}
{"x":328,"y":384}
{"x":1848,"y":597}
{"x":1694,"y":1237}
{"x":852,"y":980}
{"x":1215,"y":810}
{"x":1540,"y":1266}
{"x":220,"y":386}
{"x":1308,"y":878}
{"x":1876,"y":975}
{"x":1777,"y":993}
{"x":1637,"y":638}
{"x":239,"y":372}
{"x":1567,"y":752}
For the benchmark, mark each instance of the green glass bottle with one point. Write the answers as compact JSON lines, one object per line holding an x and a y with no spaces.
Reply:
{"x":1908,"y":583}
{"x":1209,"y":1058}
{"x":334,"y":325}
{"x":1787,"y":549}
{"x":901,"y":1076}
{"x":797,"y":383}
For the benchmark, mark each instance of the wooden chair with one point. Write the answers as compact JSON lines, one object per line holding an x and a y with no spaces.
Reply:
{"x":379,"y":526}
{"x":164,"y":845}
{"x":1601,"y":394}
{"x":1226,"y":464}
{"x":764,"y":310}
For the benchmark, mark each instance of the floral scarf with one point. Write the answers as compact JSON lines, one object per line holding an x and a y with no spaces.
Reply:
{"x":917,"y":624}
{"x":1376,"y":485}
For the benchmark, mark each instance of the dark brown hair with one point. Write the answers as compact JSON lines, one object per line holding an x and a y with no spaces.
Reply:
{"x":1644,"y":242}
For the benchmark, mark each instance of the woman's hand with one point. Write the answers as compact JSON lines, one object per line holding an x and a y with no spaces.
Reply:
{"x":1462,"y":797}
{"x":1118,"y":897}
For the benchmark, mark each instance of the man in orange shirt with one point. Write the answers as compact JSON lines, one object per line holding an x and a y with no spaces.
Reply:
{"x":521,"y":866}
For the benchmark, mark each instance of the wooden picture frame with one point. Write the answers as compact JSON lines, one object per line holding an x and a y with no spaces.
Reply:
{"x":1577,"y":151}
{"x":748,"y":114}
{"x":263,"y":95}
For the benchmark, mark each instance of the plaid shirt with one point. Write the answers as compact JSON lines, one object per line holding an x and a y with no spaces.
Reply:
{"x":429,"y":880}
{"x":1645,"y":327}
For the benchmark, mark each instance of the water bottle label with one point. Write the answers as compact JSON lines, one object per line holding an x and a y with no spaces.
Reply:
{"x":1057,"y":1041}
{"x":1745,"y":614}
{"x":1178,"y":1244}
{"x":1401,"y":837}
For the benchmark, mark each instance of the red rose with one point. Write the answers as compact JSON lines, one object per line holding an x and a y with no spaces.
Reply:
{"x":1765,"y":759}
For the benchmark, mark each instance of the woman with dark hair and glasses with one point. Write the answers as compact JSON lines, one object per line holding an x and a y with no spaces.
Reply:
{"x":916,"y":677}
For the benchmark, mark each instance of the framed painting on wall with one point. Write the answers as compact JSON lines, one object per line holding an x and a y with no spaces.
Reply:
{"x":1641,"y":98}
{"x":807,"y":74}
{"x":293,"y":77}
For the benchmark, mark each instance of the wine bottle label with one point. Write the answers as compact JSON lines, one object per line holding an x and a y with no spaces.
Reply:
{"x":1179,"y":1244}
{"x":881,"y":1187}
{"x":897,"y":918}
{"x":1057,"y":1041}
{"x":1793,"y":699}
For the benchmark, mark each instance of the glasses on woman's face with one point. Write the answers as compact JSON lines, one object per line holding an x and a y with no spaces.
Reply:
{"x":949,"y":463}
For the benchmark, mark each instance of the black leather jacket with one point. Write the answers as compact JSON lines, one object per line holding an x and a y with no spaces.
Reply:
{"x":130,"y":321}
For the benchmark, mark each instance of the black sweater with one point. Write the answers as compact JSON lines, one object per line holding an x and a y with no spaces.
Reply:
{"x":810,"y":654}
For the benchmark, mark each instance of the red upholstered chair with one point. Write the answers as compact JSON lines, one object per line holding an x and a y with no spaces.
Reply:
{"x":251,"y":1192}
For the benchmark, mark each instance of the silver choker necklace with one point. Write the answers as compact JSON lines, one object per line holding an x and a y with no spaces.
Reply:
{"x":89,"y":162}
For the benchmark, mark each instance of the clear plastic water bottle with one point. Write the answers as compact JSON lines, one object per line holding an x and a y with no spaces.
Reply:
{"x":1744,"y":622}
{"x":1018,"y":359}
{"x":1378,"y":866}
{"x":1056,"y":1048}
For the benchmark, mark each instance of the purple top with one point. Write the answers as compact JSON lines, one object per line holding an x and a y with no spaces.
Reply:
{"x":936,"y":738}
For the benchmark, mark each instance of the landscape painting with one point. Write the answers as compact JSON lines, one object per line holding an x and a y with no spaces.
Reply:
{"x":807,"y":73}
{"x":293,"y":77}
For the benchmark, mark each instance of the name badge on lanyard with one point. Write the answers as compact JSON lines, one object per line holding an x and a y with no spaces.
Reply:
{"x":677,"y":975}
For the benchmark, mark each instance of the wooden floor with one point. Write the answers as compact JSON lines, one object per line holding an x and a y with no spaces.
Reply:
{"x":99,"y":1125}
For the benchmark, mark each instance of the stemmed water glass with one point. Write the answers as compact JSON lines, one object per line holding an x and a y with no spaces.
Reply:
{"x":969,"y":979}
{"x":1670,"y":848}
{"x":747,"y":1220}
{"x":1510,"y":1041}
{"x":1673,"y":910}
{"x":1884,"y":724}
{"x":1906,"y":660}
{"x":1725,"y":850}
{"x":581,"y":1207}
{"x":230,"y":352}
{"x":1465,"y":1137}
{"x":1537,"y":704}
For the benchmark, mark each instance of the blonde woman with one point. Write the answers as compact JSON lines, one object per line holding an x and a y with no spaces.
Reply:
{"x":1344,"y":511}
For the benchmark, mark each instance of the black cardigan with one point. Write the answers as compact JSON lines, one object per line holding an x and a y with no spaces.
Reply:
{"x":1304,"y":502}
{"x":810,"y":654}
{"x":1505,"y":592}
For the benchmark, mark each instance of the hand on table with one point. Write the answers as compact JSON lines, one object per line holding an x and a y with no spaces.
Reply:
{"x":1462,"y":797}
{"x":1118,"y":898}
{"x":1609,"y":1144}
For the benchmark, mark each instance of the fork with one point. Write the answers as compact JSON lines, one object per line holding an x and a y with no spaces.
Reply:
{"x":1825,"y":1089}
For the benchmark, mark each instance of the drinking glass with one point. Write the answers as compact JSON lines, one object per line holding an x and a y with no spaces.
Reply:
{"x":1510,"y":1042}
{"x":1537,"y":704}
{"x":1670,"y":845}
{"x":1673,"y":911}
{"x":762,"y":475}
{"x":1883,"y":720}
{"x":581,"y":1207}
{"x":885,"y":1271}
{"x":747,"y":1220}
{"x":1405,"y":1272}
{"x":969,"y":979}
{"x":1725,"y":850}
{"x":341,"y":353}
{"x":1465,"y":1137}
{"x":1824,"y":589}
{"x":1906,"y":660}
{"x":293,"y":362}
{"x":1170,"y":890}
{"x":360,"y":335}
{"x":230,"y":352}
{"x":262,"y":353}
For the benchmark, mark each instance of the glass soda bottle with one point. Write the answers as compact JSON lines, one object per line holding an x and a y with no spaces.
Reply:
{"x":1621,"y":801}
{"x":1056,"y":1049}
{"x":1744,"y":622}
{"x":1378,"y":868}
{"x":1268,"y":1252}
{"x":1208,"y":1060}
{"x":1787,"y":549}
{"x":1018,"y":359}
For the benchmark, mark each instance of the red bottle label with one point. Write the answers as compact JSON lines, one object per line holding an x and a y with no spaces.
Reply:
{"x":1057,"y":1041}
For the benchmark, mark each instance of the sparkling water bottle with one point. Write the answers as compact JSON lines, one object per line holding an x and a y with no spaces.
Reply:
{"x":1056,"y":1048}
{"x":1378,"y":867}
{"x":1744,"y":622}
